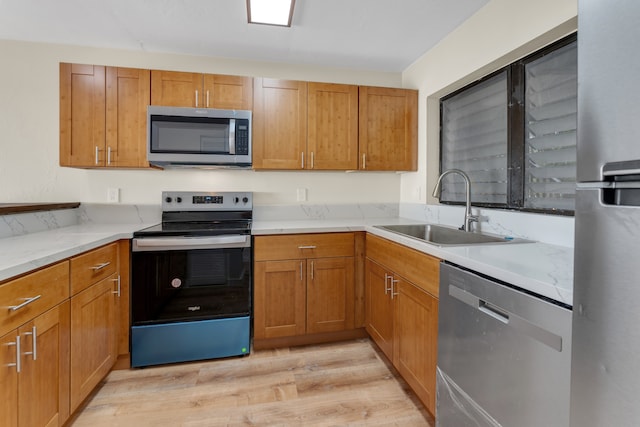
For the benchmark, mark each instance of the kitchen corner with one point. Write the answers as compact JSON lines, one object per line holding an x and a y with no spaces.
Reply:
{"x":541,"y":268}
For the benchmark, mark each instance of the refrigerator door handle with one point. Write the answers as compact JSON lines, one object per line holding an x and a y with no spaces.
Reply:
{"x":620,"y":169}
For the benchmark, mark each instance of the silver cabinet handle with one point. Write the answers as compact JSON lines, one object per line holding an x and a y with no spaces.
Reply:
{"x":387,"y":288}
{"x":100,"y":266}
{"x":196,"y":98}
{"x":97,"y":160}
{"x":301,"y":278}
{"x":207,"y":99}
{"x":302,"y":162}
{"x":311,"y":270}
{"x":108,"y":155}
{"x":17,"y":344}
{"x":117,"y":291}
{"x":312,"y":160}
{"x":307,"y":247}
{"x":26,"y":302}
{"x":364,"y":160}
{"x":34,"y":340}
{"x":393,"y":287}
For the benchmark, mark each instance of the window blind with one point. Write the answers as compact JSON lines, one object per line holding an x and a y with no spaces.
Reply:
{"x":474,"y":139}
{"x":550,"y":130}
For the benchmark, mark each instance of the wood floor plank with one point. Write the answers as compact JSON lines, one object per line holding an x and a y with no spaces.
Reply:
{"x":338,"y":384}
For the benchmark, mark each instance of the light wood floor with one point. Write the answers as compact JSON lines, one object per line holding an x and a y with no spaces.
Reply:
{"x":326,"y":385}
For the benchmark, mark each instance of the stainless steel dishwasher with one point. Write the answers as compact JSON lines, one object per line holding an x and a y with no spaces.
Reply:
{"x":503,"y":355}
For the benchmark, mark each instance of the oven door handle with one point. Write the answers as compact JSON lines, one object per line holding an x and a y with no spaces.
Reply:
{"x":185,"y":243}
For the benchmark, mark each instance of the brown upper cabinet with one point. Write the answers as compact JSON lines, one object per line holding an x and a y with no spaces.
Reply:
{"x":388,"y":137}
{"x":279,"y":133}
{"x":332,"y":135}
{"x":323,"y":126}
{"x":305,"y":125}
{"x":103,"y":116}
{"x":179,"y":89}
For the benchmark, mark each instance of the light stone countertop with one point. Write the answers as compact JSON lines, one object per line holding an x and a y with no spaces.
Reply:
{"x":21,"y":254}
{"x":540,"y":268}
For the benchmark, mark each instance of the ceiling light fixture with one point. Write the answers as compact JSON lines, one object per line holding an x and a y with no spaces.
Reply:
{"x":270,"y":12}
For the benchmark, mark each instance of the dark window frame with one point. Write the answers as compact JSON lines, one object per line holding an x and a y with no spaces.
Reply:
{"x":515,"y":130}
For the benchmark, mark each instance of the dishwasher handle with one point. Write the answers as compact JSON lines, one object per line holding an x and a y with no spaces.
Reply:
{"x":493,"y":311}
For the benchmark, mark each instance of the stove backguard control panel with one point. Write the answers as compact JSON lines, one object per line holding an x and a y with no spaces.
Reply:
{"x":173,"y":201}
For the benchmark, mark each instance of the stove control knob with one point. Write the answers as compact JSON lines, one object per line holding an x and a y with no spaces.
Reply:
{"x":236,"y":200}
{"x":168,"y":200}
{"x":179,"y":199}
{"x":245,"y":199}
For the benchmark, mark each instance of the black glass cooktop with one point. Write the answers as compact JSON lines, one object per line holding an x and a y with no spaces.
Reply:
{"x":199,"y":224}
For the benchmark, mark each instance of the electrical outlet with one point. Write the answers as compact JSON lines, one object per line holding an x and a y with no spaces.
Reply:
{"x":301,"y":194}
{"x":418,"y":193}
{"x":113,"y":195}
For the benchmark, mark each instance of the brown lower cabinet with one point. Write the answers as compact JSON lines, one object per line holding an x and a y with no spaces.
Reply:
{"x":95,"y":296}
{"x":401,"y":302}
{"x":34,"y":348}
{"x":93,"y":337}
{"x":60,"y":335}
{"x":304,"y":284}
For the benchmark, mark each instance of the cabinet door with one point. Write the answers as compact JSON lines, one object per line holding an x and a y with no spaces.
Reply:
{"x":82,"y":115}
{"x":388,"y":137}
{"x":279,"y":124}
{"x":43,"y":381}
{"x":330,"y":294}
{"x":128,"y":95}
{"x":279,"y":293}
{"x":379,"y":307}
{"x":9,"y":380}
{"x":176,"y":89}
{"x":93,"y":337}
{"x":228,"y":92}
{"x":332,"y":141}
{"x":416,"y":337}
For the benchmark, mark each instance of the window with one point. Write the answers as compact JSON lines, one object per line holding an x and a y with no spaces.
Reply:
{"x":514,"y":134}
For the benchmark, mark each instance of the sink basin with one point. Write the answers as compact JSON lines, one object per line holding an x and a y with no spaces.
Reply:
{"x":447,"y":236}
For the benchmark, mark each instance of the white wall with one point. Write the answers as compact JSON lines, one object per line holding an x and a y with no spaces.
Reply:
{"x":29,"y":126}
{"x":498,"y":34}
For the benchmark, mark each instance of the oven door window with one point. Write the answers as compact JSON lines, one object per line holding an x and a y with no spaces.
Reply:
{"x":190,"y":285}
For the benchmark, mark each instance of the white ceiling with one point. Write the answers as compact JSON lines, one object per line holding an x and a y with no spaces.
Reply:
{"x":378,"y":35}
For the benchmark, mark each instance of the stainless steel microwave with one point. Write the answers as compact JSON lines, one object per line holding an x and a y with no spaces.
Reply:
{"x":198,"y":137}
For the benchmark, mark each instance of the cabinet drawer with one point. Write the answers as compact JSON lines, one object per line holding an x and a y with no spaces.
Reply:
{"x":93,"y":266}
{"x":419,"y":268}
{"x":301,"y":246}
{"x":44,"y":288}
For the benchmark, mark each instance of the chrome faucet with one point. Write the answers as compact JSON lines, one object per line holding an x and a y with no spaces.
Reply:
{"x":468,"y":218}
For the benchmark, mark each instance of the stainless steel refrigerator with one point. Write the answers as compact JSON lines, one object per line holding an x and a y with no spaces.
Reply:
{"x":605,"y":374}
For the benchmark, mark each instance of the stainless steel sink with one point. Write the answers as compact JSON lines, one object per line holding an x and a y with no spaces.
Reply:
{"x":447,"y":236}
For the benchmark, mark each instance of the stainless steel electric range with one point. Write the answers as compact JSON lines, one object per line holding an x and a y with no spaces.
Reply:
{"x":191,"y":279}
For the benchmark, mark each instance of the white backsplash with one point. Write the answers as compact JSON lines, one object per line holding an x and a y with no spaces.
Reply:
{"x":552,"y":229}
{"x":304,"y":212}
{"x":96,"y":213}
{"x":33,"y":222}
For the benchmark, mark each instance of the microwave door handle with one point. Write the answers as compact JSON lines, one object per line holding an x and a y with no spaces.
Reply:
{"x":232,"y":136}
